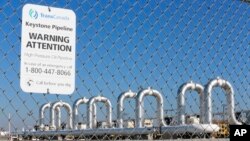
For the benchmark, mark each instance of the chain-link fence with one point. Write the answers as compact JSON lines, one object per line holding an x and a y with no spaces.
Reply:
{"x":135,"y":60}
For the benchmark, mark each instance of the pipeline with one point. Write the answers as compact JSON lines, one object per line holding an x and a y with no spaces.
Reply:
{"x":139,"y":109}
{"x":91,"y":132}
{"x":206,"y":118}
{"x":75,"y":110}
{"x":180,"y":129}
{"x":92,"y":122}
{"x":42,"y":112}
{"x":69,"y":110}
{"x":181,"y":100}
{"x":120,"y":106}
{"x":226,"y":86}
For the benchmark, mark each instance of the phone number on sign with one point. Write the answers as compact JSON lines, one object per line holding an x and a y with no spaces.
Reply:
{"x":48,"y":71}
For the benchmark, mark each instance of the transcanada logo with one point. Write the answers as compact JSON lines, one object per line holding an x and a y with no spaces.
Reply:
{"x":33,"y":14}
{"x":53,"y":16}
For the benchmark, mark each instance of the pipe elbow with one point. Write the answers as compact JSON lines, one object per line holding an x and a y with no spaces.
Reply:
{"x":45,"y":106}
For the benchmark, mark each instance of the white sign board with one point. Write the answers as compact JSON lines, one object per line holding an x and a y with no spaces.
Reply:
{"x":48,"y":50}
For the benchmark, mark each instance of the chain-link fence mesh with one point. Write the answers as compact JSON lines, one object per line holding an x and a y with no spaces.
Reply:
{"x":151,"y":47}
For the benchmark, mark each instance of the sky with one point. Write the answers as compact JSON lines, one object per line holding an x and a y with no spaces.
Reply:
{"x":131,"y":45}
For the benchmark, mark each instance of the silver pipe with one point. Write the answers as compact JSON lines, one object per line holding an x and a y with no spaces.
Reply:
{"x":75,"y":110}
{"x":89,"y":132}
{"x":120,"y":106}
{"x":92,"y":116}
{"x":190,"y":128}
{"x":139,"y":106}
{"x":180,"y":129}
{"x":58,"y":113}
{"x":41,"y":112}
{"x":226,"y":86}
{"x":181,"y":100}
{"x":68,"y":108}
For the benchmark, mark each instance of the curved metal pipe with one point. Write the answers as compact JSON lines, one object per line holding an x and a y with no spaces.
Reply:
{"x":58,"y":113}
{"x":120,"y":106}
{"x":139,"y":104}
{"x":75,"y":110}
{"x":91,"y":114}
{"x":42,"y":112}
{"x":226,"y":86}
{"x":68,"y":108}
{"x":181,"y":100}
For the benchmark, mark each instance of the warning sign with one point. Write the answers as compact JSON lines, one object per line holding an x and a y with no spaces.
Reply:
{"x":48,"y":50}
